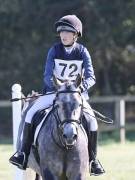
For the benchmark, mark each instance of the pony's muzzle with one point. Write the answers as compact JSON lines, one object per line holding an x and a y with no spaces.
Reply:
{"x":74,"y":137}
{"x":70,"y":140}
{"x":70,"y":134}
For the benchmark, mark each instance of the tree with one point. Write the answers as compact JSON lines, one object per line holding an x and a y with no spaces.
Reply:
{"x":27,"y":33}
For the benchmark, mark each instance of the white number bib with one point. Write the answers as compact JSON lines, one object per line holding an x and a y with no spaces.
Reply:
{"x":67,"y":69}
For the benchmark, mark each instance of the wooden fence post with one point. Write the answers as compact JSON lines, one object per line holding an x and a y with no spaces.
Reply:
{"x":122,"y":121}
{"x":120,"y":118}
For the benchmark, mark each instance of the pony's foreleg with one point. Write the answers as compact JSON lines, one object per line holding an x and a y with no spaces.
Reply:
{"x":48,"y":175}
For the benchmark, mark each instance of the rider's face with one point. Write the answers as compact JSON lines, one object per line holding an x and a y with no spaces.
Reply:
{"x":67,"y":38}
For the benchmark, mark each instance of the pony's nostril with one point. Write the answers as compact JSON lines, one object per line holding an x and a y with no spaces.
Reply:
{"x":64,"y":136}
{"x":75,"y":136}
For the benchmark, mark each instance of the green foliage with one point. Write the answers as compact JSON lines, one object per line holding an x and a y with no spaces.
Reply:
{"x":27,"y":32}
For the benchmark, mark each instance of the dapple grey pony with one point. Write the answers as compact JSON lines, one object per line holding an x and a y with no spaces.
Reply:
{"x":62,"y":144}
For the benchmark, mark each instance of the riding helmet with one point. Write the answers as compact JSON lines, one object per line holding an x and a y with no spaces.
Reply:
{"x":69,"y":23}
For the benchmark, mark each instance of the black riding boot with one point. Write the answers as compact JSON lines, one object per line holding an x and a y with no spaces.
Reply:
{"x":95,"y":166}
{"x":20,"y":159}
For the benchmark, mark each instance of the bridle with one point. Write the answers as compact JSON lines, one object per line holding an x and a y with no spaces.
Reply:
{"x":61,"y":123}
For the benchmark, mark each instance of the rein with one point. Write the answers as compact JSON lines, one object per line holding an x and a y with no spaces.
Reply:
{"x":68,"y":91}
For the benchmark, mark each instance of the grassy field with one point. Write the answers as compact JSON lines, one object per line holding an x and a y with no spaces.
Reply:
{"x":117,"y":159}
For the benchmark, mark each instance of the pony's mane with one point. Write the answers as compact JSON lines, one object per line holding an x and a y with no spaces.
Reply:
{"x":69,"y":85}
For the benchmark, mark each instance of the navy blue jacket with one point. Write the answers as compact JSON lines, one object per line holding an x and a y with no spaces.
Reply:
{"x":79,"y":52}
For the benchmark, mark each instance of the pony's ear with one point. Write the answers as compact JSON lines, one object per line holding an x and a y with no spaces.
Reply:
{"x":57,"y":82}
{"x":78,"y":80}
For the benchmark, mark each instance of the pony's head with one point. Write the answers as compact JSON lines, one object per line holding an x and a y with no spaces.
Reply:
{"x":69,"y":109}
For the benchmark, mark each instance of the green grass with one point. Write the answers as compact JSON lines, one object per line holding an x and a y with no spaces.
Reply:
{"x":6,"y":170}
{"x":117,"y":159}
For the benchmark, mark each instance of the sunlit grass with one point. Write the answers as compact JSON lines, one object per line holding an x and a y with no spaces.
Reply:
{"x":117,"y":159}
{"x":6,"y":170}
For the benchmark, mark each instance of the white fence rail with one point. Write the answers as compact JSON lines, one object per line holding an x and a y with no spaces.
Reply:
{"x":119,"y":111}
